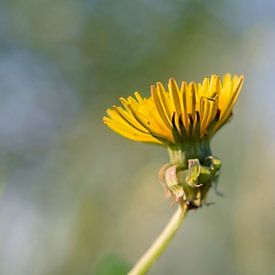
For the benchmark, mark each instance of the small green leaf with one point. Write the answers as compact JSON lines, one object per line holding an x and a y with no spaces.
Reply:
{"x":112,"y":265}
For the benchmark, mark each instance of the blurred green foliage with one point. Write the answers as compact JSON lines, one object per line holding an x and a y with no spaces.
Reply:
{"x":111,"y":265}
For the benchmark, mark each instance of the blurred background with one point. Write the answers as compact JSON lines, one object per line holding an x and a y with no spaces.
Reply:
{"x":76,"y":198}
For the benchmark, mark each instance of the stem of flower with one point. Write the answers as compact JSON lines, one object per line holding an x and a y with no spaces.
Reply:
{"x":152,"y":254}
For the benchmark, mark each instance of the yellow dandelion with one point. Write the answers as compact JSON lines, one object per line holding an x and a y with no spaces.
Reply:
{"x":183,"y":118}
{"x":176,"y":115}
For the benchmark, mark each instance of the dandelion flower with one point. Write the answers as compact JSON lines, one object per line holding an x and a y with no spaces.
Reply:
{"x":183,"y":118}
{"x":177,"y":116}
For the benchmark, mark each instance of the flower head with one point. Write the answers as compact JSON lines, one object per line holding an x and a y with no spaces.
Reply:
{"x":175,"y":115}
{"x":183,"y":118}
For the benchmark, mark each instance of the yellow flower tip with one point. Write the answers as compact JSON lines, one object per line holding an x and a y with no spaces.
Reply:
{"x":172,"y":81}
{"x":227,"y":75}
{"x":138,"y":96}
{"x":153,"y":88}
{"x":105,"y":120}
{"x":175,"y":116}
{"x":214,"y":77}
{"x":160,"y":87}
{"x":241,"y":77}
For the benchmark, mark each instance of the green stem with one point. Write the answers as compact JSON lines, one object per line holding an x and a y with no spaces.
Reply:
{"x":147,"y":260}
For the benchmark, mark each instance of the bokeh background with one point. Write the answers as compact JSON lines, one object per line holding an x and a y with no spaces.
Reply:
{"x":78,"y":199}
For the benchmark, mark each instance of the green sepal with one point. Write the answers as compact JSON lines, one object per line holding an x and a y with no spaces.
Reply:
{"x":189,"y":191}
{"x":214,"y":164}
{"x":194,"y":169}
{"x":205,"y":176}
